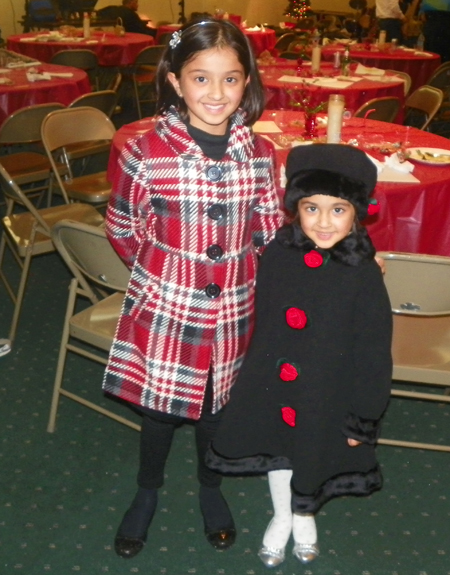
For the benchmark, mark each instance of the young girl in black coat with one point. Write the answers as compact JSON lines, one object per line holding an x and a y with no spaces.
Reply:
{"x":316,"y":379}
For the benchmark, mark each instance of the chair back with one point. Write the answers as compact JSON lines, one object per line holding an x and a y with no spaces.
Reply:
{"x":115,"y":82}
{"x":283,"y":41}
{"x":84,"y":59}
{"x":104,"y":100}
{"x":149,"y":56}
{"x":422,"y":106}
{"x":417,"y":284}
{"x":383,"y":109}
{"x":406,"y":79}
{"x":24,"y":126}
{"x":89,"y":255}
{"x":72,"y":125}
{"x":164,"y":38}
{"x":12,"y":192}
{"x":441,"y":77}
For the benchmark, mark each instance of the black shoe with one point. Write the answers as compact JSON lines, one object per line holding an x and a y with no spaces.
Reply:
{"x":132,"y":533}
{"x":221,"y":539}
{"x":127,"y":547}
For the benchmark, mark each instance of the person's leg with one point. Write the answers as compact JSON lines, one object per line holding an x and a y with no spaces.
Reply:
{"x":219,"y":525}
{"x":155,"y":442}
{"x":279,"y":529}
{"x":305,"y":537}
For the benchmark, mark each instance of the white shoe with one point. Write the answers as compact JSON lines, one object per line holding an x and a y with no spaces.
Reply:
{"x":5,"y":346}
{"x":305,"y":552}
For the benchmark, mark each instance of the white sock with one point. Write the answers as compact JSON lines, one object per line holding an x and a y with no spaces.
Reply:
{"x":304,"y":528}
{"x":279,"y":529}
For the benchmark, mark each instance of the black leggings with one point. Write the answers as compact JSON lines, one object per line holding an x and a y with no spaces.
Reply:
{"x":156,"y":440}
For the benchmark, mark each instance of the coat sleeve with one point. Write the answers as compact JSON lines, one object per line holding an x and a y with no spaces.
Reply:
{"x":372,"y":357}
{"x":128,"y":206}
{"x":268,"y":216}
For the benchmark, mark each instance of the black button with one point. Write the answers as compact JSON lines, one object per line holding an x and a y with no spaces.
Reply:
{"x":216,"y":212}
{"x":212,"y":290}
{"x":214,"y":173}
{"x":214,"y":252}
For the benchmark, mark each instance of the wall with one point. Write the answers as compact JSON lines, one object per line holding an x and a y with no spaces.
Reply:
{"x":254,"y":11}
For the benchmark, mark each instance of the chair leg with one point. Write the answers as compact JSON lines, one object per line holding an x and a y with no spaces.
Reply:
{"x":136,"y":95}
{"x":22,"y":285}
{"x":62,"y":356}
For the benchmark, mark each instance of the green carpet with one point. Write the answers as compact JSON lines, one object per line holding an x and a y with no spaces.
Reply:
{"x":63,"y":494}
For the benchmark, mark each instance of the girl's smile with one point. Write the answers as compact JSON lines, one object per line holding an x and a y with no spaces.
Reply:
{"x":212,"y":85}
{"x":326,"y":220}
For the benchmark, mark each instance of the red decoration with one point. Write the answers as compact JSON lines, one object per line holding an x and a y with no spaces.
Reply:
{"x":313,"y":259}
{"x":288,"y":414}
{"x":288,"y":372}
{"x":374,"y":208}
{"x":296,"y":318}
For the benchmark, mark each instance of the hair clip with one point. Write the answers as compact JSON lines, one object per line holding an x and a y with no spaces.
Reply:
{"x":175,"y":39}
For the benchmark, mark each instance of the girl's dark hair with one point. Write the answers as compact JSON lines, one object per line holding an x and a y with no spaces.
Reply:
{"x":204,"y":34}
{"x":351,"y":250}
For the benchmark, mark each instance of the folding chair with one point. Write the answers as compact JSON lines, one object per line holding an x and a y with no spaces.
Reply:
{"x":94,"y":264}
{"x":419,"y":291}
{"x":385,"y":109}
{"x":27,"y":234}
{"x":143,"y":75}
{"x":405,"y":77}
{"x":422,"y":106}
{"x":84,"y":59}
{"x":69,"y":127}
{"x":27,"y":168}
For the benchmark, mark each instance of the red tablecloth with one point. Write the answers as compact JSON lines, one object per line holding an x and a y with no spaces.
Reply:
{"x":23,"y":93}
{"x":419,"y":67}
{"x":111,"y":50}
{"x":279,"y":94}
{"x":259,"y":40}
{"x":414,"y":217}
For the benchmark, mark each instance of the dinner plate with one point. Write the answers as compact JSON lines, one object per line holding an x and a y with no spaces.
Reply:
{"x":430,"y":156}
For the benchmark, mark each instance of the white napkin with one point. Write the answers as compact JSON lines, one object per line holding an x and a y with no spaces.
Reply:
{"x":91,"y":41}
{"x":291,"y":79}
{"x":283,"y":179}
{"x":34,"y":77}
{"x":254,"y":29}
{"x":22,"y":64}
{"x":266,"y":127}
{"x":360,"y":69}
{"x":5,"y":81}
{"x":419,"y":53}
{"x":60,"y":74}
{"x":393,"y":171}
{"x":28,"y":39}
{"x":393,"y":162}
{"x":329,"y":83}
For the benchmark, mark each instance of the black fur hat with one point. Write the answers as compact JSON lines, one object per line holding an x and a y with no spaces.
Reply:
{"x":346,"y":173}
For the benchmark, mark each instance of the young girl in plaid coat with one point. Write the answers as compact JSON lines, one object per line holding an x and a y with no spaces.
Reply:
{"x":192,"y":206}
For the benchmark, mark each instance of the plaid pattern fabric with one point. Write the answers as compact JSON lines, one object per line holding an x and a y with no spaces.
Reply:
{"x":160,"y":222}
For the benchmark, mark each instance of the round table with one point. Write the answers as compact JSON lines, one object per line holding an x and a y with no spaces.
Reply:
{"x":318,"y":87}
{"x":22,"y":92}
{"x":260,"y":40}
{"x":419,"y":65}
{"x":414,"y":217}
{"x":111,"y":50}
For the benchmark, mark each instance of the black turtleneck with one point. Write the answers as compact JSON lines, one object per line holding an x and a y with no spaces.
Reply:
{"x":211,"y":145}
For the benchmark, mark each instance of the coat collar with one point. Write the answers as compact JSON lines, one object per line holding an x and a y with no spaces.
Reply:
{"x":173,"y":131}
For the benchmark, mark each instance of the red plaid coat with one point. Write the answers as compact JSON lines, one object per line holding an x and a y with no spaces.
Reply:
{"x":190,"y":228}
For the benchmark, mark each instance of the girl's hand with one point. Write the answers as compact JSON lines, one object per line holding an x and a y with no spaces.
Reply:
{"x":353,"y":442}
{"x":380,"y":262}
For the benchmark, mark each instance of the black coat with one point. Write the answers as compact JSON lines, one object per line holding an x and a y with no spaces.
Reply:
{"x":343,"y":357}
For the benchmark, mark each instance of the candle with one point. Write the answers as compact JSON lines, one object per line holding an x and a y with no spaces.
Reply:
{"x":336,"y":104}
{"x":315,"y":59}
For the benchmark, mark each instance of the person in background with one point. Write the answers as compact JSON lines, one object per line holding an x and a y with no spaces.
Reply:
{"x":193,"y":204}
{"x":131,"y":20}
{"x":390,"y":18}
{"x":436,"y":28}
